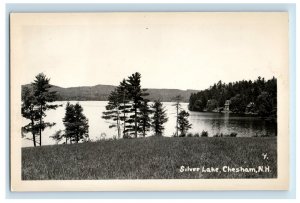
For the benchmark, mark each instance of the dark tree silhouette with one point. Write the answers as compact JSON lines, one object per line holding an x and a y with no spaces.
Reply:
{"x":136,"y":94}
{"x":159,"y":118}
{"x":113,"y":110}
{"x":241,"y":94}
{"x":76,"y":124}
{"x":36,"y":104}
{"x":125,"y":106}
{"x":183,"y":123}
{"x":29,"y":111}
{"x":144,"y":117}
{"x":238,"y":103}
{"x":177,"y":105}
{"x":69,"y":122}
{"x":264,"y":104}
{"x":211,"y":104}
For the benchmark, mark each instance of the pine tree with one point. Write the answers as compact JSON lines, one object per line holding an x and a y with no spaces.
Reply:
{"x":136,"y":94}
{"x":35,"y":105}
{"x":82,"y":131}
{"x":144,"y":117}
{"x":69,"y":122}
{"x":159,"y":118}
{"x":177,"y":105}
{"x":29,"y":111}
{"x":76,"y":124}
{"x":113,"y":110}
{"x":183,"y":123}
{"x":125,"y":105}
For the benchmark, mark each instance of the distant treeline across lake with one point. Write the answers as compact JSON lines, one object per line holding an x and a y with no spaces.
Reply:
{"x":258,"y":97}
{"x":101,"y":93}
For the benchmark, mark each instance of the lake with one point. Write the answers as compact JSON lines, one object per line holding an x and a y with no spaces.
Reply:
{"x":243,"y":125}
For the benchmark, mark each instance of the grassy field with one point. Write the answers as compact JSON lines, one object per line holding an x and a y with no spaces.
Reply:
{"x":151,"y":158}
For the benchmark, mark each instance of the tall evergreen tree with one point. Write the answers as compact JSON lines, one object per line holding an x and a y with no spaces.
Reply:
{"x":159,"y":118}
{"x":40,"y":100}
{"x":76,"y":124}
{"x":125,"y":105}
{"x":69,"y":122}
{"x":183,"y":122}
{"x":144,"y":117}
{"x":82,"y":131}
{"x":29,"y":111}
{"x":177,"y":105}
{"x":136,"y":94}
{"x":113,"y":110}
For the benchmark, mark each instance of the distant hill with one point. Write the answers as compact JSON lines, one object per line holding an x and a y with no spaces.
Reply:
{"x":101,"y":92}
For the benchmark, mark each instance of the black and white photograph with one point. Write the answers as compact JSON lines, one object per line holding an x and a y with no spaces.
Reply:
{"x":187,"y":99}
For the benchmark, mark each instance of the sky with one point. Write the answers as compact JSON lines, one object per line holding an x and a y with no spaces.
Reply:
{"x":170,"y":50}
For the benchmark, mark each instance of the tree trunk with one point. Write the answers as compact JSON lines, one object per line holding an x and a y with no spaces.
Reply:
{"x":124,"y":115}
{"x":33,"y":136}
{"x":124,"y":127}
{"x":33,"y":133}
{"x":135,"y":122}
{"x":118,"y":125}
{"x":177,"y":106}
{"x":41,"y":119}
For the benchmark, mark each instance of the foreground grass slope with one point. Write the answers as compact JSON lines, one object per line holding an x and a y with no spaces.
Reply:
{"x":148,"y":158}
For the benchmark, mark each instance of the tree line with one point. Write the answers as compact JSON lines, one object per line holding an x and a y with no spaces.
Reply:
{"x":37,"y":99}
{"x":128,"y":110}
{"x":246,"y":96}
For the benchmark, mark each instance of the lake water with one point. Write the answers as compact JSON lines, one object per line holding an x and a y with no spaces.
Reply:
{"x":213,"y":123}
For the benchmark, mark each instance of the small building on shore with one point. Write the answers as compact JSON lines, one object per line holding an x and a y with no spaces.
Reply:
{"x":226,"y":106}
{"x":250,"y":108}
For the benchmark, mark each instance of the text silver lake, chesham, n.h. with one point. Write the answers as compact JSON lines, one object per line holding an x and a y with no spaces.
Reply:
{"x":225,"y":169}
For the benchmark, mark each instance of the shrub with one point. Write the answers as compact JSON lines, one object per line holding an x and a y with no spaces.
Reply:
{"x":219,"y":135}
{"x":232,"y":134}
{"x":189,"y":135}
{"x":204,"y":134}
{"x":261,"y":135}
{"x":102,"y":136}
{"x":127,"y":137}
{"x":197,"y":135}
